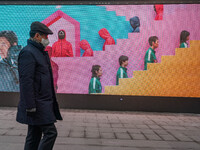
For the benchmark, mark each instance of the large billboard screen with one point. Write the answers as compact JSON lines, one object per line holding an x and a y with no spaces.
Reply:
{"x":109,"y":49}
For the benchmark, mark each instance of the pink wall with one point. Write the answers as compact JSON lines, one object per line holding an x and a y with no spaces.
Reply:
{"x":74,"y":73}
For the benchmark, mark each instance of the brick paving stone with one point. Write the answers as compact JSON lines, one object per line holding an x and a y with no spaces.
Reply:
{"x":142,"y":126}
{"x":167,"y":137}
{"x":154,"y":127}
{"x":134,"y":130}
{"x":16,"y":132}
{"x":76,"y":134}
{"x":104,"y":125}
{"x":121,"y":130}
{"x":182,"y":137}
{"x":184,"y":145}
{"x":147,"y":131}
{"x":122,"y":136}
{"x":106,"y":135}
{"x":117,"y":125}
{"x":92,"y":135}
{"x":161,"y":132}
{"x":63,"y":133}
{"x":138,"y":137}
{"x":106,"y":130}
{"x":153,"y":137}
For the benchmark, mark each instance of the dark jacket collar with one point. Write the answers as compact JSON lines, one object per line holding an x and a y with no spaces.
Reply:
{"x":36,"y":44}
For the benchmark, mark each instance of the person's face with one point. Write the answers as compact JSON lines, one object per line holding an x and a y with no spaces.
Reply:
{"x":61,"y":34}
{"x":155,"y":44}
{"x":188,"y":37}
{"x":40,"y":37}
{"x":125,"y":63}
{"x":4,"y":46}
{"x":99,"y":72}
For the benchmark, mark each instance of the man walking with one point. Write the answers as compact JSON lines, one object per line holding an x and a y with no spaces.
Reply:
{"x":38,"y":107}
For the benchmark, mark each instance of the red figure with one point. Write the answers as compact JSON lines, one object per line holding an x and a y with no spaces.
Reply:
{"x":86,"y":47}
{"x":62,"y":48}
{"x":159,"y":12}
{"x":107,"y":37}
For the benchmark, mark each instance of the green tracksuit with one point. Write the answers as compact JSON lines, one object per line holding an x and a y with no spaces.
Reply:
{"x":149,"y":57}
{"x":121,"y":73}
{"x":183,"y":45}
{"x":95,"y":85}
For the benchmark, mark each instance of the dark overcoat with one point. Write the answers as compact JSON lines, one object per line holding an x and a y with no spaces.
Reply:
{"x":36,"y":86}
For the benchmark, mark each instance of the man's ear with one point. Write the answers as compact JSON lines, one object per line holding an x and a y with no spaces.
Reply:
{"x":37,"y":35}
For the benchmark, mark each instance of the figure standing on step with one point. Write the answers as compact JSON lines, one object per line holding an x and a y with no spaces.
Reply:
{"x":86,"y":47}
{"x":62,"y":48}
{"x":135,"y":23}
{"x":122,"y":71}
{"x":95,"y":84}
{"x":150,"y":56}
{"x":184,"y":37}
{"x":107,"y":37}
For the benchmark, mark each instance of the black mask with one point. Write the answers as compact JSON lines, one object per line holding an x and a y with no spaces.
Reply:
{"x":61,"y":34}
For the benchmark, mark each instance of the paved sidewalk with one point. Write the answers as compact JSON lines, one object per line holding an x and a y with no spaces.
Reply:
{"x":110,"y":130}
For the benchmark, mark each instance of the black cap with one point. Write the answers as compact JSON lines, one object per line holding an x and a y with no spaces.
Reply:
{"x":40,"y":27}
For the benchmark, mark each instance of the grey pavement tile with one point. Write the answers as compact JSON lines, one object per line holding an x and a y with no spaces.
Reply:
{"x":161,"y":132}
{"x":128,"y":125}
{"x":147,"y":131}
{"x":117,"y":125}
{"x":11,"y":146}
{"x":195,"y":138}
{"x":136,"y":143}
{"x":79,"y":141}
{"x":92,"y":129}
{"x":134,"y":130}
{"x":184,"y":145}
{"x":76,"y":134}
{"x":12,"y":139}
{"x":63,"y":133}
{"x":105,"y":135}
{"x":174,"y":127}
{"x":106,"y":130}
{"x":180,"y":136}
{"x":92,"y":135}
{"x":152,"y":137}
{"x":3,"y":131}
{"x":104,"y":125}
{"x":123,"y":136}
{"x":155,"y":127}
{"x":138,"y":137}
{"x":16,"y":132}
{"x":167,"y":137}
{"x":142,"y":126}
{"x":121,"y":130}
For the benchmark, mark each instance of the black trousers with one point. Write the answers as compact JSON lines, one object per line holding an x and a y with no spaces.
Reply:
{"x":34,"y":135}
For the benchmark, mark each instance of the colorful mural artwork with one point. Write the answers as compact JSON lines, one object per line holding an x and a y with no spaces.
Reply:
{"x":125,"y":28}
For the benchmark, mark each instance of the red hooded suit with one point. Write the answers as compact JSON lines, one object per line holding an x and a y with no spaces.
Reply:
{"x":107,"y":37}
{"x":62,"y":48}
{"x":86,"y":46}
{"x":54,"y":66}
{"x":159,"y":12}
